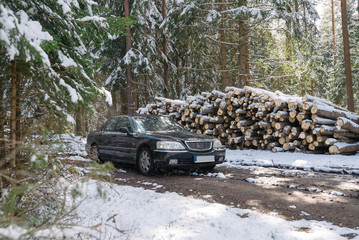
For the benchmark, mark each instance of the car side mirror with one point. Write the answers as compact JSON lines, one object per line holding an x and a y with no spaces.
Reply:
{"x":124,"y":130}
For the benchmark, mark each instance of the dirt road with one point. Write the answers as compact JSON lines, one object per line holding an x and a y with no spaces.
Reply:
{"x":290,"y":194}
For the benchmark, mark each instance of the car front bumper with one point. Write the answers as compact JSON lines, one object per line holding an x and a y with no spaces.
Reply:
{"x":186,"y":159}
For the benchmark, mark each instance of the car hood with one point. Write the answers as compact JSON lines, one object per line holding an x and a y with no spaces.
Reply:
{"x":177,"y":136}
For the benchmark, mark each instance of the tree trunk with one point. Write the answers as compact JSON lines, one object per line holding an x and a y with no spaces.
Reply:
{"x":136,"y":96}
{"x":113,"y":111}
{"x":130,"y":102}
{"x":296,"y":8}
{"x":305,"y":21}
{"x":165,"y":63}
{"x":223,"y":53}
{"x":78,"y":121}
{"x":333,"y":35}
{"x":18,"y":110}
{"x":13,"y":114}
{"x":243,"y":50}
{"x":348,"y":71}
{"x":2,"y":119}
{"x":288,"y":48}
{"x":186,"y":76}
{"x":123,"y":97}
{"x":146,"y":92}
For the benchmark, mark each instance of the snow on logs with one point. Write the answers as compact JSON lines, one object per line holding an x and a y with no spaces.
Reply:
{"x":260,"y":119}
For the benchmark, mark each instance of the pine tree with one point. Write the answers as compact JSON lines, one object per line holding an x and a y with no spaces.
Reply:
{"x":348,"y":71}
{"x":47,"y":51}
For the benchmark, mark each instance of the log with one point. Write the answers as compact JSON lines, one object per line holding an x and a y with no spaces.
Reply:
{"x":293,"y":136}
{"x":348,"y":124}
{"x":208,"y":132}
{"x":280,"y":125}
{"x":220,"y":112}
{"x":346,"y":134}
{"x":289,"y":146}
{"x":277,"y":149}
{"x":218,"y":94}
{"x":321,"y":101}
{"x":332,"y":113}
{"x":193,"y":115}
{"x":236,"y":91}
{"x":307,"y":106}
{"x":330,"y":141}
{"x":236,"y":140}
{"x":293,"y":114}
{"x":178,"y":103}
{"x":264,"y":125}
{"x":327,"y":130}
{"x":208,"y":126}
{"x":322,"y":138}
{"x":272,"y":145}
{"x":282,"y":140}
{"x":342,"y":147}
{"x":244,"y":123}
{"x":287,"y":129}
{"x":301,"y":116}
{"x":306,"y":124}
{"x":303,"y":135}
{"x":208,"y":109}
{"x":323,"y":121}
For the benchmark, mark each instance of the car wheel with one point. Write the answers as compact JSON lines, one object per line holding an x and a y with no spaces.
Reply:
{"x":145,"y":162}
{"x":95,"y":154}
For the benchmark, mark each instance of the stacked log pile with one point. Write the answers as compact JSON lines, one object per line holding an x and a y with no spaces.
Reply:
{"x":256,"y":118}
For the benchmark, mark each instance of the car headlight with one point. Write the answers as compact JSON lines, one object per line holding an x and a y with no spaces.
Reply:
{"x":217,"y":145}
{"x":169,"y":145}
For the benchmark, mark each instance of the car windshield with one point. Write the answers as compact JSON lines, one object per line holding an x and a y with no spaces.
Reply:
{"x":156,"y":124}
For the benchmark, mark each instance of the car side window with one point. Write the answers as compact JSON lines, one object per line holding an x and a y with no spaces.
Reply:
{"x":123,"y":122}
{"x":110,"y":125}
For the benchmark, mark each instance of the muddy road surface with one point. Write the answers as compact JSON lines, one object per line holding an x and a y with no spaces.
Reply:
{"x":289,"y":194}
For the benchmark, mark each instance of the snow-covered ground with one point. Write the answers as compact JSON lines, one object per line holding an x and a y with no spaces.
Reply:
{"x":307,"y":162}
{"x":135,"y":213}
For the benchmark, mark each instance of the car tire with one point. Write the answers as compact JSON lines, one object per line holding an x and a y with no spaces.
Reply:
{"x":145,"y":162}
{"x":95,"y":154}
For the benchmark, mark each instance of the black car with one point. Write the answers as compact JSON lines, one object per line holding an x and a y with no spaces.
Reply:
{"x":152,"y":142}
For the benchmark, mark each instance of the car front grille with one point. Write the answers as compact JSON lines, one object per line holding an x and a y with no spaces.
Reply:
{"x":199,"y":145}
{"x":186,"y":161}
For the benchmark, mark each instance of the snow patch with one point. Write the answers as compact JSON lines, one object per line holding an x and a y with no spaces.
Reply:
{"x":107,"y":94}
{"x":336,"y":193}
{"x":302,"y":213}
{"x":306,"y":162}
{"x":252,"y":180}
{"x":73,"y":93}
{"x":66,"y":61}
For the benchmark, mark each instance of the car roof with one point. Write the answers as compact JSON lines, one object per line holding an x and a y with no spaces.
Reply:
{"x":140,"y":115}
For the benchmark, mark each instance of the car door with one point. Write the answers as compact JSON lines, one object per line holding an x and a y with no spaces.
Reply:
{"x":104,"y":138}
{"x":121,"y":143}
